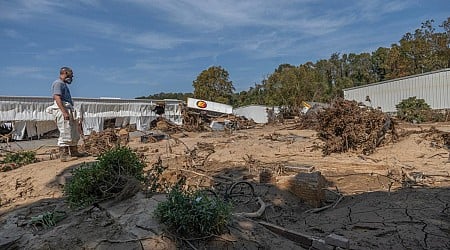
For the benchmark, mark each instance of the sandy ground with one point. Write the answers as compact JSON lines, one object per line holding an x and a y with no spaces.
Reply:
{"x":379,"y":208}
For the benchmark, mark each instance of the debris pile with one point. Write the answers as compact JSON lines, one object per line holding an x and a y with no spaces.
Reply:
{"x":98,"y":143}
{"x":308,"y":121}
{"x":439,"y":139}
{"x":194,"y":121}
{"x":236,"y":122}
{"x":165,"y":125}
{"x":346,"y":126}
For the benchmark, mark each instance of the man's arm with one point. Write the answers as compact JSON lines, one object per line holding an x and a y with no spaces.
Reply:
{"x":60,"y":104}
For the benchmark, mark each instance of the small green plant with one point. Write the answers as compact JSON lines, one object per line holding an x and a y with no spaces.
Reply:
{"x":47,"y":219}
{"x":20,"y":158}
{"x":413,"y":110}
{"x":153,"y":177}
{"x":115,"y":172}
{"x":193,"y":214}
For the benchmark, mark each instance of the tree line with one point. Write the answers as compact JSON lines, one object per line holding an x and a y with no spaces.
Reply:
{"x":423,"y":51}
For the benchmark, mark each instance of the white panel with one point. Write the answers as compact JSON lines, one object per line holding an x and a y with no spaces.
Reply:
{"x":209,"y":106}
{"x":433,"y":87}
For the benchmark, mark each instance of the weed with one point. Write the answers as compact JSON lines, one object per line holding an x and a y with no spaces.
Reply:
{"x":16,"y":160}
{"x":193,"y":214}
{"x":20,"y":158}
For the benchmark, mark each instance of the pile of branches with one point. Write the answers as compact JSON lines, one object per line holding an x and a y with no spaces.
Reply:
{"x":98,"y":143}
{"x":235,"y":122}
{"x":195,"y":121}
{"x":347,"y":126}
{"x":308,"y":121}
{"x":163,"y":124}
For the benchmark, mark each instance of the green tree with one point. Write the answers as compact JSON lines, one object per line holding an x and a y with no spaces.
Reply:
{"x":213,"y":84}
{"x":445,"y":42}
{"x":162,"y":96}
{"x":379,"y":63}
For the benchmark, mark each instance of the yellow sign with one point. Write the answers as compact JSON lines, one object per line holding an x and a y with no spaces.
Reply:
{"x":201,"y":104}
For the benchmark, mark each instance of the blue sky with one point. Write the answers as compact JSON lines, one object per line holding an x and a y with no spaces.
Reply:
{"x":134,"y":48}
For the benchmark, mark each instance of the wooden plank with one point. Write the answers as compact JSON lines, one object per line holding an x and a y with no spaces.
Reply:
{"x":302,"y":239}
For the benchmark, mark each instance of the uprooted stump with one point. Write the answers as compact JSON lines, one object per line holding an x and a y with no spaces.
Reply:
{"x":346,"y":126}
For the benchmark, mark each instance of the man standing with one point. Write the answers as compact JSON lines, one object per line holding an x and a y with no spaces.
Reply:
{"x":63,"y":112}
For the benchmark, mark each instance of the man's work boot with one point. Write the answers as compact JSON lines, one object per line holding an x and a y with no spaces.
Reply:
{"x":64,"y":154}
{"x":74,"y":152}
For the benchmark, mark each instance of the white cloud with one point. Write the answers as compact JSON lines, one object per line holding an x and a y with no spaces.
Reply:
{"x":21,"y":71}
{"x":22,"y":10}
{"x":11,"y":33}
{"x":66,"y":50}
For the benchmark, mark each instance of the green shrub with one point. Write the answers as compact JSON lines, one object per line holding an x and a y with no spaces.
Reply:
{"x":113,"y":172}
{"x":122,"y":161}
{"x":413,"y":110}
{"x":20,"y":158}
{"x":83,"y":189}
{"x":193,"y":214}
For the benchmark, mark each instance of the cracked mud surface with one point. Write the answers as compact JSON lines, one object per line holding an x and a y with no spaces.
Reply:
{"x":406,"y":219}
{"x":379,"y":209}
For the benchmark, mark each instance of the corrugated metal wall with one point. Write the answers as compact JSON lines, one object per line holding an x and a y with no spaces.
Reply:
{"x":433,"y":87}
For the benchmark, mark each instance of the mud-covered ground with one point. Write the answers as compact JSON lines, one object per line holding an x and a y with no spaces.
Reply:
{"x":373,"y":202}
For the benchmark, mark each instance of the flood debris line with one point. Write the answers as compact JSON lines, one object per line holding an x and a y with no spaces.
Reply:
{"x":347,"y":126}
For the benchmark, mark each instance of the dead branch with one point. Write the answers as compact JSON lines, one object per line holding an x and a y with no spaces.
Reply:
{"x":437,"y":155}
{"x":254,"y":214}
{"x":332,"y":205}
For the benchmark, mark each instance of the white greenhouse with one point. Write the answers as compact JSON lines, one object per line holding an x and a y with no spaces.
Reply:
{"x":28,"y":118}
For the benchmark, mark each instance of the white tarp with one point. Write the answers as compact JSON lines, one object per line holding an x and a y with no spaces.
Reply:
{"x":28,"y":115}
{"x":257,"y":113}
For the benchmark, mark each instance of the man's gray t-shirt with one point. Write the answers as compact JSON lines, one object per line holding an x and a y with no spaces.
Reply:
{"x":60,"y":88}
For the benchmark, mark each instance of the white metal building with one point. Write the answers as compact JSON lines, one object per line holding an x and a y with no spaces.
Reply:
{"x":433,"y":87}
{"x":28,"y":116}
{"x":258,"y":113}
